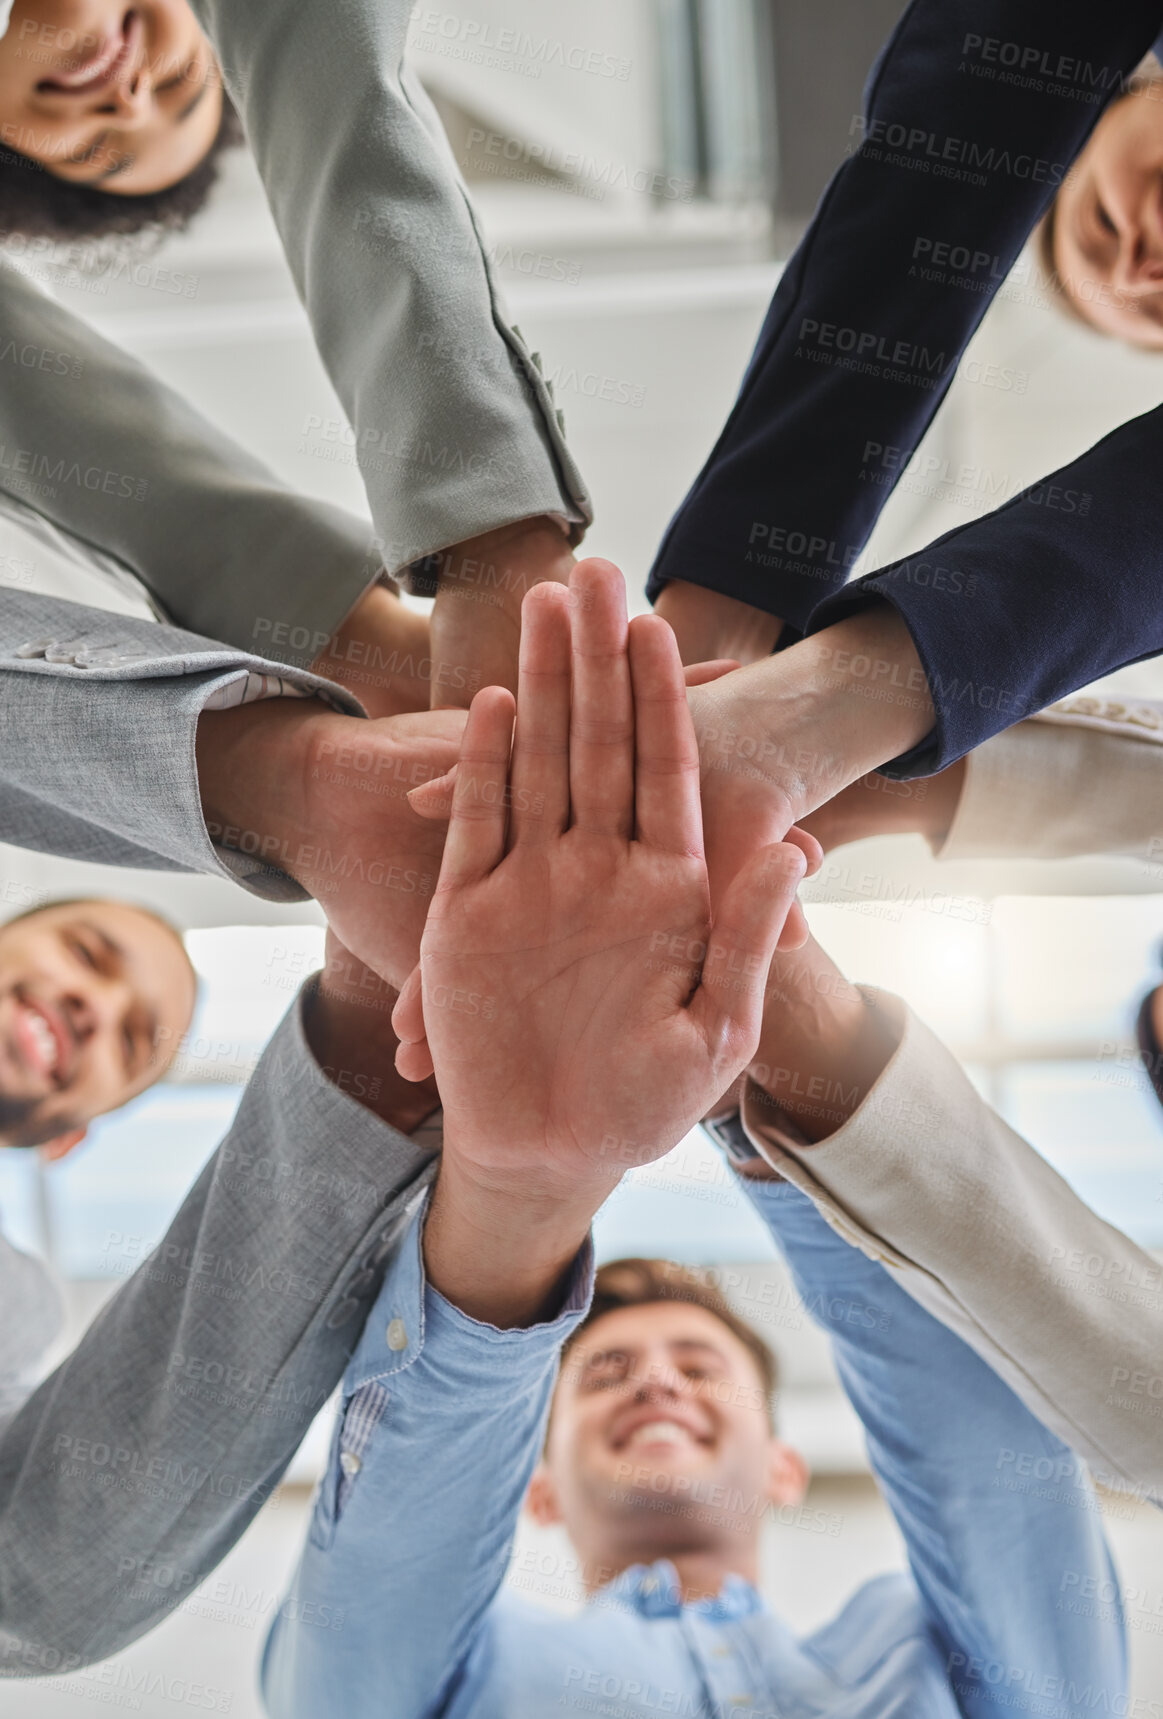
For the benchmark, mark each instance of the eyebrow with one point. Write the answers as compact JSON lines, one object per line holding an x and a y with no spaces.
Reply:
{"x":685,"y":1344}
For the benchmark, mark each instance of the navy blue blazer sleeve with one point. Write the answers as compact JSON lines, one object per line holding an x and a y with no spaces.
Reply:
{"x":1025,"y":605}
{"x":974,"y":112}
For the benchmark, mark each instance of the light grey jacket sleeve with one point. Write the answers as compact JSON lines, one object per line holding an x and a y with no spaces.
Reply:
{"x":98,"y":717}
{"x":140,"y":1461}
{"x":104,"y":449}
{"x":1083,"y":777}
{"x":456,"y":430}
{"x":974,"y":1223}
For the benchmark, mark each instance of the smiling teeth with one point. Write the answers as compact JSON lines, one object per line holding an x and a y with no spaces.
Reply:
{"x":661,"y":1432}
{"x":44,"y":1039}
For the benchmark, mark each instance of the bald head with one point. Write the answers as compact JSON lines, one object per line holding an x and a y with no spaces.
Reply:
{"x":94,"y":999}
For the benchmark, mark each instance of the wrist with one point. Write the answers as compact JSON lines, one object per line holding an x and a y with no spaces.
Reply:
{"x":347,"y":1024}
{"x":817,"y":1062}
{"x":502,"y":1258}
{"x":505,"y":562}
{"x":710,"y":624}
{"x":251,"y":764}
{"x":819,"y":716}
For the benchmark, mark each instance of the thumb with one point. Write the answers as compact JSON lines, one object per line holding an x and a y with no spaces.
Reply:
{"x":702,"y":674}
{"x":728,"y":1004}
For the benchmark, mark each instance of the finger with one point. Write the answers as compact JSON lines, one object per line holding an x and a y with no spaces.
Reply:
{"x":701,"y":674}
{"x":540,"y":775}
{"x":728,"y":1003}
{"x":808,"y":846}
{"x":434,"y":799}
{"x":408,"y":1014}
{"x":795,"y":931}
{"x":601,"y":734}
{"x":414,"y":1061}
{"x":479,"y":820}
{"x":667,"y":805}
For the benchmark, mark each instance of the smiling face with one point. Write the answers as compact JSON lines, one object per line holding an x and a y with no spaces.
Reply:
{"x":94,"y":998}
{"x":660,"y":1443}
{"x":1107,"y":240}
{"x":125,"y":99}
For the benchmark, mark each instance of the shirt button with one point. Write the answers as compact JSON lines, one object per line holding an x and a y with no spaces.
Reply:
{"x":650,"y":1585}
{"x":397,"y":1335}
{"x":349,"y":1462}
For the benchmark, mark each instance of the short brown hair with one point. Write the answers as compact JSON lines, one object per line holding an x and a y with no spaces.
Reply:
{"x":639,"y":1282}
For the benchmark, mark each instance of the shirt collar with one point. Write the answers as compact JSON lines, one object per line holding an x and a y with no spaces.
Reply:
{"x":653,"y":1591}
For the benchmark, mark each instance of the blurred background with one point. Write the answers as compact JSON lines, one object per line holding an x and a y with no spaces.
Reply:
{"x":642,"y":170}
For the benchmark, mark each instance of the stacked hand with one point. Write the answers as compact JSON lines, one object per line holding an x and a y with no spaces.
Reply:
{"x":580,"y":1008}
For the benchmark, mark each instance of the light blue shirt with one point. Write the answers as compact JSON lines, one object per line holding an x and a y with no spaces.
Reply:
{"x":399,"y":1611}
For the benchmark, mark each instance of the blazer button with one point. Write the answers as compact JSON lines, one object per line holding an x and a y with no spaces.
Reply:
{"x":397,"y":1336}
{"x":34,"y":648}
{"x":342,"y":1313}
{"x":108,"y":656}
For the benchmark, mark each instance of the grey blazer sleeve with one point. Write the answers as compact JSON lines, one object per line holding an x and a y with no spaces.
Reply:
{"x":135,"y":1467}
{"x":102,"y":447}
{"x":979,"y":1229}
{"x":98,"y":715}
{"x":456,"y":431}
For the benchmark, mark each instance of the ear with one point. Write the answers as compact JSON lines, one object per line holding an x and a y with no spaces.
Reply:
{"x":51,"y":1150}
{"x":787,"y":1473}
{"x":541,"y":1498}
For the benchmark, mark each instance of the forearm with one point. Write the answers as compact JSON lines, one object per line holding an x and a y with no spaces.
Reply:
{"x":1028,"y":611}
{"x":854,"y":357}
{"x":196,"y":1385}
{"x":949,"y":1441}
{"x":802,"y":726}
{"x":102,"y":766}
{"x":983,"y":1233}
{"x":227,"y":549}
{"x":388,"y":1550}
{"x":455,"y":430}
{"x":1085,"y":777}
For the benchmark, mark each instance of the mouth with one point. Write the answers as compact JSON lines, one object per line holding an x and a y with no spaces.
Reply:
{"x":661,"y":1432}
{"x":102,"y":65}
{"x":42,"y":1040}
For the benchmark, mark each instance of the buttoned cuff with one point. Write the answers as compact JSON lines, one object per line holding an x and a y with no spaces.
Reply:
{"x":410,"y":1317}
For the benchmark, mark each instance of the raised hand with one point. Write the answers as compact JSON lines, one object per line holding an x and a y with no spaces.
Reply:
{"x":579,"y":1008}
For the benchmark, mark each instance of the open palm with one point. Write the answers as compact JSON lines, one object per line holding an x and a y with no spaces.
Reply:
{"x":579,"y":1008}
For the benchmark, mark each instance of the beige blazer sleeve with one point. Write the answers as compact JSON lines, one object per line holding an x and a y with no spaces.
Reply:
{"x":978,"y":1228}
{"x":1083,"y":777}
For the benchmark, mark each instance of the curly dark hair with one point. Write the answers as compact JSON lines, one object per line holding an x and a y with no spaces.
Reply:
{"x":36,"y":204}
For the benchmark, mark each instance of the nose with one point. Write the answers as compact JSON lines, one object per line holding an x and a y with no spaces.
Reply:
{"x":659,"y":1380}
{"x":131,"y":101}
